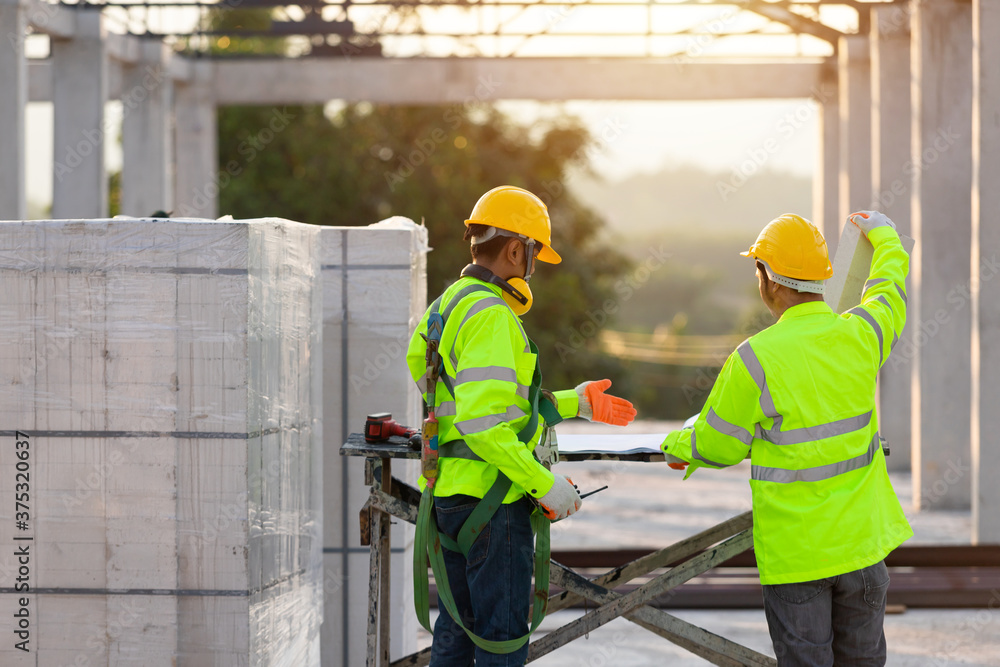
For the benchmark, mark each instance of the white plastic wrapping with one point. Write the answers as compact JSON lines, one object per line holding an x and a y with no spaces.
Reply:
{"x":374,"y":292}
{"x":168,"y":375}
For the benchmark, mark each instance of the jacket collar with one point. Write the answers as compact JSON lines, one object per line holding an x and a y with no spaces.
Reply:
{"x":806,"y":309}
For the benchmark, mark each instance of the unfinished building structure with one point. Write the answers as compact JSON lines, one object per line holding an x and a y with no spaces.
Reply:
{"x":909,"y":101}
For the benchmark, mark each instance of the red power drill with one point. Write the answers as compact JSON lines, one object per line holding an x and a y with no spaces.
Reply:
{"x":381,"y":425}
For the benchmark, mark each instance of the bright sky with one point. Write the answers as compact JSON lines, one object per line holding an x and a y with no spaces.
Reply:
{"x":634,"y":137}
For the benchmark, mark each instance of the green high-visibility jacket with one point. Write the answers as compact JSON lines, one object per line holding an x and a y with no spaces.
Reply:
{"x":800,"y":398}
{"x":489,"y":362}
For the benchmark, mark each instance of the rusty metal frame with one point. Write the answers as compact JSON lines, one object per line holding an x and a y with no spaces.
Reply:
{"x":389,"y":497}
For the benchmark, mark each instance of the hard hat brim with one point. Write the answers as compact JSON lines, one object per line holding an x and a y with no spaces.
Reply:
{"x":548,"y":255}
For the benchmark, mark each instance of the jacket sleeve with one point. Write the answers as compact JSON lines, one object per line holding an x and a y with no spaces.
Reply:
{"x":723,"y":432}
{"x":883,"y":301}
{"x":568,"y":403}
{"x":486,"y":398}
{"x":416,"y":356}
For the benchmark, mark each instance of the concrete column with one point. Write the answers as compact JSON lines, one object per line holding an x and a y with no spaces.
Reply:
{"x":890,"y":86}
{"x":985,"y":267}
{"x":14,"y":100}
{"x":196,"y":147}
{"x":147,"y":134}
{"x":854,"y":65}
{"x":79,"y":90}
{"x":826,"y":180}
{"x":941,"y":216}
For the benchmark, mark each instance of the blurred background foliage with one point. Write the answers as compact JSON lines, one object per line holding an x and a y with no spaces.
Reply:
{"x":653,"y":254}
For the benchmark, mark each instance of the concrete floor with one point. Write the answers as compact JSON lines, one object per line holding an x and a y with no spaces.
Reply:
{"x":648,"y":505}
{"x":916,"y":638}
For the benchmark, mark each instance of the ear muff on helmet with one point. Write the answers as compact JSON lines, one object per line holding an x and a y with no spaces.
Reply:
{"x":516,"y":292}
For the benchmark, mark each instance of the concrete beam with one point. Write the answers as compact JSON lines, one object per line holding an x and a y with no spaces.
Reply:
{"x":147,"y":140}
{"x":797,"y":22}
{"x":854,"y":65}
{"x":55,"y":21}
{"x":14,"y":100}
{"x":692,"y":81}
{"x":890,"y":86}
{"x":460,"y":80}
{"x":79,"y":90}
{"x":124,"y":49}
{"x":196,"y":147}
{"x":985,"y":257}
{"x":121,"y":51}
{"x":940,"y":308}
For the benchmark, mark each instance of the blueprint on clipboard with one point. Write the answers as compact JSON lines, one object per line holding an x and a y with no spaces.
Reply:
{"x":640,"y":443}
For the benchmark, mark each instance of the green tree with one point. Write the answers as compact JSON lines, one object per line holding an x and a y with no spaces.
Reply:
{"x":365,"y":163}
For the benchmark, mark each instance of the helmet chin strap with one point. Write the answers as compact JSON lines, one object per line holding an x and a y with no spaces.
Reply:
{"x":529,"y":247}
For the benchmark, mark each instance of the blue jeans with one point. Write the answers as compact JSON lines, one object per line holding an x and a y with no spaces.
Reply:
{"x":834,"y":621}
{"x":492,"y":589}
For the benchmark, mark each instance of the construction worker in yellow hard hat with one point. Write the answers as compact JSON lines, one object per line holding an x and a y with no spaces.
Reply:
{"x":799,"y":399}
{"x":485,"y":491}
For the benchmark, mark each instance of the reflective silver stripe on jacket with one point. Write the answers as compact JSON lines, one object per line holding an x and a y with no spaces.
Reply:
{"x":817,"y":474}
{"x":483,"y":373}
{"x":757,"y":373}
{"x":875,"y":281}
{"x":872,"y":283}
{"x":446,"y":409}
{"x":867,"y":317}
{"x":727,"y":428}
{"x":696,"y":455}
{"x":480,"y":424}
{"x":797,"y":436}
{"x":500,"y":373}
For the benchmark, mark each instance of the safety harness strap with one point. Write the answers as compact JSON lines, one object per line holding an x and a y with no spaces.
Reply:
{"x":430,"y":542}
{"x":424,"y":547}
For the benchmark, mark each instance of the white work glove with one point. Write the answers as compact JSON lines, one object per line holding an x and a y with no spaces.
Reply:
{"x":562,"y":499}
{"x":869,"y":220}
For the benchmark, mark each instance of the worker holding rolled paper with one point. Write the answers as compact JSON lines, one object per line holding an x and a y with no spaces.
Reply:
{"x":799,"y":398}
{"x":484,"y":492}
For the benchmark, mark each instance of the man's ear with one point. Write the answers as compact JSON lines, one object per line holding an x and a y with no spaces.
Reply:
{"x":512,"y":251}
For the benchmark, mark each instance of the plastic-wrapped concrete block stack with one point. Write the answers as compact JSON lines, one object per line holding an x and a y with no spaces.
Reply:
{"x":166,"y":377}
{"x":374,"y":293}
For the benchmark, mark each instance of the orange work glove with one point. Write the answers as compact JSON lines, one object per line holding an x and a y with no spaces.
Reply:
{"x":676,"y":463}
{"x":596,"y":406}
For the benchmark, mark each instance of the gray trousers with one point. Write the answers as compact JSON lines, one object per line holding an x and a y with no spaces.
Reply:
{"x":833,"y":621}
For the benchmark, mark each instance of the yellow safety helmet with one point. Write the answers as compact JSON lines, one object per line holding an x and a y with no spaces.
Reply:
{"x":516,"y":210}
{"x":792,"y":247}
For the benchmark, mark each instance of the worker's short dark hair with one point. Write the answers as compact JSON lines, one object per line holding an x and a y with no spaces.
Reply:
{"x":763,"y":270}
{"x":489,"y":250}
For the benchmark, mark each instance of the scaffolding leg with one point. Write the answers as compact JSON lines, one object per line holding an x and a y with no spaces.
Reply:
{"x":378,"y":577}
